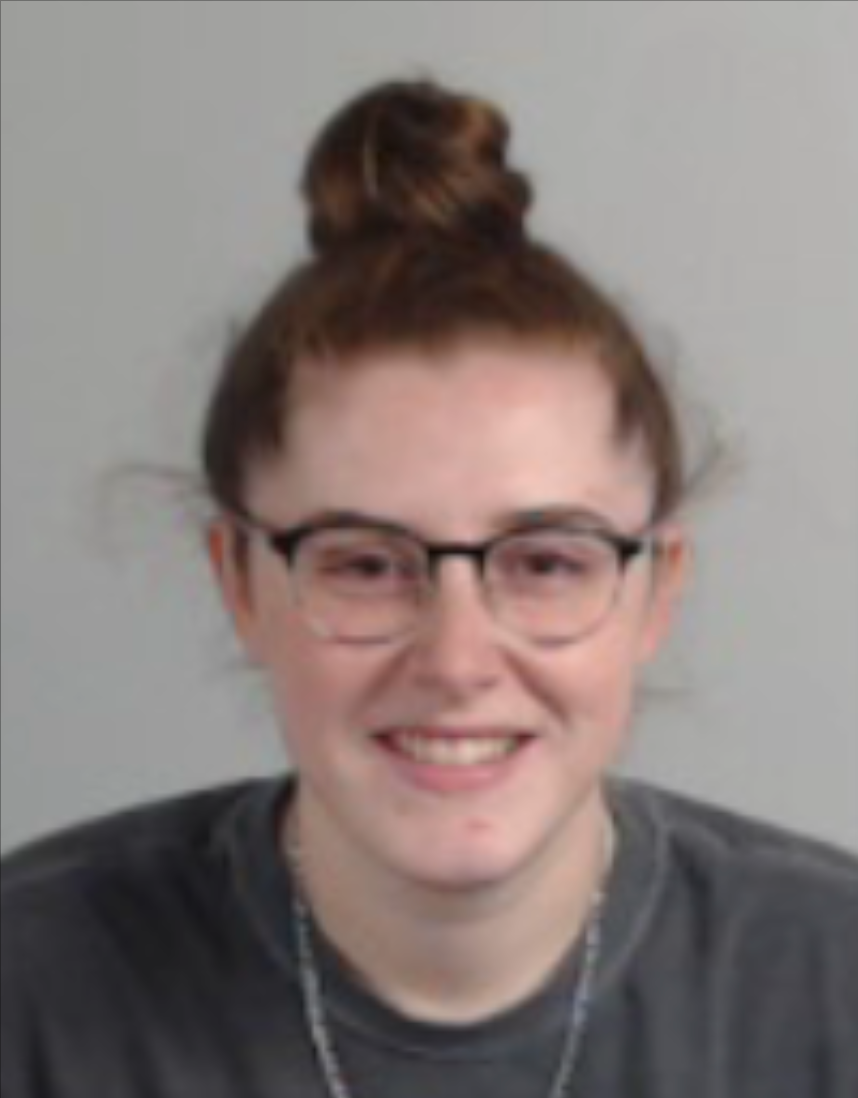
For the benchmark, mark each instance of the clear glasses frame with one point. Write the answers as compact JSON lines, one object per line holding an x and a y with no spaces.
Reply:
{"x":287,"y":543}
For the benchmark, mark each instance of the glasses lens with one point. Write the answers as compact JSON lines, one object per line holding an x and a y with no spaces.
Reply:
{"x":553,"y":585}
{"x":363,"y":584}
{"x":360,"y":583}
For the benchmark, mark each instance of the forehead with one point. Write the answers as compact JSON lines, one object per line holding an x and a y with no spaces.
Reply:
{"x":453,"y":439}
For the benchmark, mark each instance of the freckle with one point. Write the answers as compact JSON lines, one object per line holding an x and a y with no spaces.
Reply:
{"x":479,"y":827}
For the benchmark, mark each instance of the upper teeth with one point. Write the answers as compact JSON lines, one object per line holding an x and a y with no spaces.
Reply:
{"x":454,"y":750}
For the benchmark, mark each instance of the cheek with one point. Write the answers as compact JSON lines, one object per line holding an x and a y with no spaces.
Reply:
{"x":592,"y":685}
{"x":317,"y":691}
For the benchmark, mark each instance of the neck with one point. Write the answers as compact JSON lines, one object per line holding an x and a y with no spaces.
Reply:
{"x":453,"y":955}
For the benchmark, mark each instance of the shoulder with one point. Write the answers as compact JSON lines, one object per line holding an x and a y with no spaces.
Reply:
{"x":129,"y":900}
{"x":748,"y":880}
{"x":114,"y":927}
{"x":750,"y":848}
{"x":139,"y":869}
{"x":732,"y":946}
{"x":180,"y":826}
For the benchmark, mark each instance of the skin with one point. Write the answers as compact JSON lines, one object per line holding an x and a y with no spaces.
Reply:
{"x":424,"y":889}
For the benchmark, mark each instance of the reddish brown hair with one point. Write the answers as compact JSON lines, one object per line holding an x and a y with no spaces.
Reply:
{"x":418,"y":228}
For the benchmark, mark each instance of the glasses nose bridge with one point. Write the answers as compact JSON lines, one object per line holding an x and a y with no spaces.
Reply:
{"x":439,"y":551}
{"x":456,"y":629}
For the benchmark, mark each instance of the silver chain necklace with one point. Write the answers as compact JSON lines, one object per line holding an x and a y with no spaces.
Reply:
{"x":316,"y":1014}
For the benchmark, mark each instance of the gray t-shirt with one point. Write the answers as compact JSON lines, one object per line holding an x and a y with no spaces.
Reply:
{"x":152,"y":956}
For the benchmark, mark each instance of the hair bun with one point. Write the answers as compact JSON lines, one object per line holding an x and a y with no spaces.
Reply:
{"x":413,"y":158}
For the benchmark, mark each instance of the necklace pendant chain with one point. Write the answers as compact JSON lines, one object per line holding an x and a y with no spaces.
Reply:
{"x":316,"y":1016}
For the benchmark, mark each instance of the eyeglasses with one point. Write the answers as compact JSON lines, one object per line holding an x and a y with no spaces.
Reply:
{"x":364,"y":582}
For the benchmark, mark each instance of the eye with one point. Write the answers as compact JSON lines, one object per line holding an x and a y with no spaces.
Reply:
{"x":361,"y":563}
{"x":551,"y":559}
{"x":541,"y":562}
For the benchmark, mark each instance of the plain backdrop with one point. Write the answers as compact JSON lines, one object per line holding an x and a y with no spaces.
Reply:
{"x":700,"y":158}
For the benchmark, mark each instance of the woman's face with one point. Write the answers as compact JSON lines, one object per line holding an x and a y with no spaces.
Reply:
{"x":453,"y":450}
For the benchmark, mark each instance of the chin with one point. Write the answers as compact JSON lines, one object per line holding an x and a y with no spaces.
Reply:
{"x":461,"y":866}
{"x":460,"y":881}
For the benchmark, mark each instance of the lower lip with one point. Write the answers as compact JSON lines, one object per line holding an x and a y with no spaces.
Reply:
{"x":432,"y":778}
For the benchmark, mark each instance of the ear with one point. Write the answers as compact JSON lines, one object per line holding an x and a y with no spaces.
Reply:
{"x":231,"y":565}
{"x":671,"y":568}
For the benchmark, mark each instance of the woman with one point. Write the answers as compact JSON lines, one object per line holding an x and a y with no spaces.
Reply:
{"x":447,"y":486}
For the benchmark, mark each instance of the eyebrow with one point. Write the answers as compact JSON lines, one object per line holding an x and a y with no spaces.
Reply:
{"x":559,"y":514}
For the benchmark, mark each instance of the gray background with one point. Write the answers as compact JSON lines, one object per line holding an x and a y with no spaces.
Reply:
{"x":701,"y":158}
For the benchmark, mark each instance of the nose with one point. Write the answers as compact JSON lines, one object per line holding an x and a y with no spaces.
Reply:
{"x":457,"y":649}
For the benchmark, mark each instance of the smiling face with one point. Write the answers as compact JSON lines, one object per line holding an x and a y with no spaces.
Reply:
{"x":460,"y":755}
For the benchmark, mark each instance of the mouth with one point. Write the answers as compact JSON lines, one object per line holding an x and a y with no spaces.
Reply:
{"x":454,"y":758}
